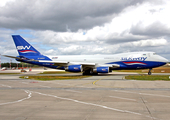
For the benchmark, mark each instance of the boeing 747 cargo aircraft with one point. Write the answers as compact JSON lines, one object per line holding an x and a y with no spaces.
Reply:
{"x":88,"y":64}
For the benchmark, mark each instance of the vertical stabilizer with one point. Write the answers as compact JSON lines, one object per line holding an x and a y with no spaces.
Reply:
{"x":23,"y":47}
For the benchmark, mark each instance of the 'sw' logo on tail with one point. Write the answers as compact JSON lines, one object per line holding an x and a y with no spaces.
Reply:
{"x":23,"y":48}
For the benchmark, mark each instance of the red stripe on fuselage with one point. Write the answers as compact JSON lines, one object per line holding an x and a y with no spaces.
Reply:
{"x":135,"y":62}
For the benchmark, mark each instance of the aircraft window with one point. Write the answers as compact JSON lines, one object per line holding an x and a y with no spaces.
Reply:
{"x":154,"y":53}
{"x":144,"y":54}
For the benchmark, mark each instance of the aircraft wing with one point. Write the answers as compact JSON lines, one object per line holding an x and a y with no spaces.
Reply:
{"x":84,"y":65}
{"x":66,"y":63}
{"x":56,"y":63}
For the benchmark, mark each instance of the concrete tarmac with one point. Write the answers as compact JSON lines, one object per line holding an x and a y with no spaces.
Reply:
{"x":103,"y":97}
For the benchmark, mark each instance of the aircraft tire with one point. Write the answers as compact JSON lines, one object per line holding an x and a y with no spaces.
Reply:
{"x":89,"y":73}
{"x":86,"y":73}
{"x":149,"y":73}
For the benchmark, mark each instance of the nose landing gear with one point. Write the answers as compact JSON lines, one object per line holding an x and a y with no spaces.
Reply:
{"x":149,"y":73}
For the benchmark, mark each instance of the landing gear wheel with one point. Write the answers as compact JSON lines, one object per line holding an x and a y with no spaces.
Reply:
{"x":86,"y":73}
{"x":89,"y":72}
{"x":149,"y":73}
{"x":94,"y":74}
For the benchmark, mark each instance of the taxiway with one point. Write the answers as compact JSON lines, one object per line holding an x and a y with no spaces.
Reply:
{"x":104,"y":97}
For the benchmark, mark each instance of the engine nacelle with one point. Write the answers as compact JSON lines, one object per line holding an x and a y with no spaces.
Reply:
{"x":74,"y":68}
{"x":101,"y":70}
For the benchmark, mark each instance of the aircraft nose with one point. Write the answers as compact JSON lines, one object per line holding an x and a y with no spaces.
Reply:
{"x":164,"y":60}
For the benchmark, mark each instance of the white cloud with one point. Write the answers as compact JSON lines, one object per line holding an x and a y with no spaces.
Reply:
{"x":51,"y":51}
{"x":152,"y":42}
{"x":120,"y":28}
{"x":147,"y":43}
{"x":4,"y":2}
{"x":133,"y":27}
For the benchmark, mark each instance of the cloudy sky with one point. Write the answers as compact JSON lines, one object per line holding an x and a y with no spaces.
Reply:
{"x":78,"y":27}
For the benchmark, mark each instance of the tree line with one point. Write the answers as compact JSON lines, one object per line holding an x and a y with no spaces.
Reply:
{"x":8,"y":65}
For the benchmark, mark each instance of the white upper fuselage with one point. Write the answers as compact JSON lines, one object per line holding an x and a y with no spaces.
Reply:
{"x":104,"y":59}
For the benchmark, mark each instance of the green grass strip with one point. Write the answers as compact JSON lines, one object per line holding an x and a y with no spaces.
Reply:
{"x":47,"y":78}
{"x":8,"y":73}
{"x":55,"y":72}
{"x":148,"y":77}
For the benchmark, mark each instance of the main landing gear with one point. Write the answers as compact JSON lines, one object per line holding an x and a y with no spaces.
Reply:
{"x":89,"y":72}
{"x":149,"y":73}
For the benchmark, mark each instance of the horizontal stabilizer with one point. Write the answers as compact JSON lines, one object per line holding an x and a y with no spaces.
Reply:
{"x":12,"y":57}
{"x":20,"y":58}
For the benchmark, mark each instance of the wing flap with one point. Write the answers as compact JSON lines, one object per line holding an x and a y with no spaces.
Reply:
{"x":56,"y":63}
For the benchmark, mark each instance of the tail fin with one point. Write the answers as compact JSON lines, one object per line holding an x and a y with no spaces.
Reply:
{"x":23,"y":47}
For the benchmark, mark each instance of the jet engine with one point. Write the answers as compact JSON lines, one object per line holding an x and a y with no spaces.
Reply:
{"x":101,"y":70}
{"x":74,"y":68}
